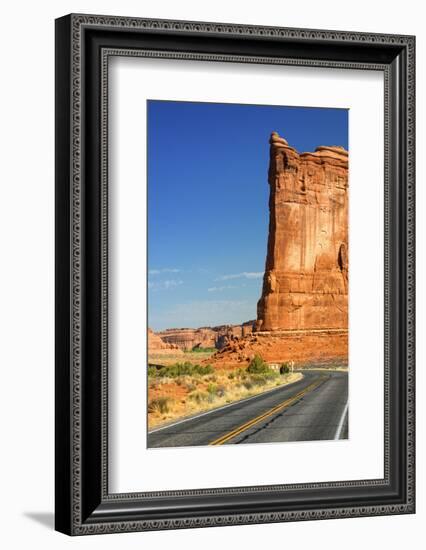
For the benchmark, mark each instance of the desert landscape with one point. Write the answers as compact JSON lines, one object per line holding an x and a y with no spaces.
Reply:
{"x":302,"y":313}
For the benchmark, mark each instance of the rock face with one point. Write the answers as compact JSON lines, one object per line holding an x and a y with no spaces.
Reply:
{"x":205,"y":337}
{"x":188,"y":338}
{"x":227,"y":333}
{"x":157,"y":345}
{"x":305,"y":284}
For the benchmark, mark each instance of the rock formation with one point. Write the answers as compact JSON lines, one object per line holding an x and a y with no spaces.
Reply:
{"x":205,"y":337}
{"x":188,"y":338}
{"x":305,"y":284}
{"x":228,"y":333}
{"x":303,"y":309}
{"x":303,"y":347}
{"x":157,"y":345}
{"x":302,"y":314}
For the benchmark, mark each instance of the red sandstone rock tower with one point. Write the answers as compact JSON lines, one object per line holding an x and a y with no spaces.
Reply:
{"x":305,"y":285}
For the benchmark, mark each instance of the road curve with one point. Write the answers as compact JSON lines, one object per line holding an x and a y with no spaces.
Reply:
{"x":314,"y":408}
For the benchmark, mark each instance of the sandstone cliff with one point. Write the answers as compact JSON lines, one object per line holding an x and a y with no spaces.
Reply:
{"x":303,"y":309}
{"x":306,"y":275}
{"x":204,"y":337}
{"x":157,"y":345}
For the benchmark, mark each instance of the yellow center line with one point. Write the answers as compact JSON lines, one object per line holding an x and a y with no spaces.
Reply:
{"x":278,"y":408}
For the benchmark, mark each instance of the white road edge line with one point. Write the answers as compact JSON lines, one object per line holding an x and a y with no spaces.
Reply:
{"x":342,"y":420}
{"x":221,"y":408}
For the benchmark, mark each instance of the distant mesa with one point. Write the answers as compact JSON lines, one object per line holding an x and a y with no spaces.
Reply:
{"x":157,"y":345}
{"x":204,"y":337}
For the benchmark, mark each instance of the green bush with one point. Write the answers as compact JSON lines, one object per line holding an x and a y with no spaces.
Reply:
{"x":212,"y":389}
{"x":197,"y":349}
{"x":258,"y":366}
{"x":285,"y":368}
{"x":211,"y":392}
{"x":152,"y":372}
{"x":183,"y":369}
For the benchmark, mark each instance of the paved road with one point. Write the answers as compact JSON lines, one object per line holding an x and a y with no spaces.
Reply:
{"x":311,"y":409}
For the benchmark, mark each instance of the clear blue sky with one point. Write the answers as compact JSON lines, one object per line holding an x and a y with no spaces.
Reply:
{"x":208,"y":203}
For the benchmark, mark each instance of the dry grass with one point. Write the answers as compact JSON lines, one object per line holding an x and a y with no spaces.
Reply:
{"x":172,"y":358}
{"x":189,"y":394}
{"x":159,"y":405}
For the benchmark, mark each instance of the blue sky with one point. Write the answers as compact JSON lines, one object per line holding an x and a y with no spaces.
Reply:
{"x":208,"y":203}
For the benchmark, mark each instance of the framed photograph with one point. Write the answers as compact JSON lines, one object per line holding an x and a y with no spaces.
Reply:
{"x":234,"y":274}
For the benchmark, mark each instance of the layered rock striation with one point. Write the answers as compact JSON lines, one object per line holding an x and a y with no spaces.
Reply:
{"x":305,"y":285}
{"x":157,"y":345}
{"x":205,"y":337}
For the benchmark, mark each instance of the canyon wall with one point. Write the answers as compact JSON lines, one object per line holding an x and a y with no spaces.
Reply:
{"x":157,"y":345}
{"x":305,"y":284}
{"x":205,"y":337}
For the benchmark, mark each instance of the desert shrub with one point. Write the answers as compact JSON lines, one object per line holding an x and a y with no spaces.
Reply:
{"x":272,"y":374}
{"x":208,"y":369}
{"x":211,"y":392}
{"x":231,"y":375}
{"x":242,"y":374}
{"x":197,"y":349}
{"x":198,"y":396}
{"x":221,"y":391}
{"x":152,"y":371}
{"x":248,"y":384}
{"x":284,"y":368}
{"x":258,"y":366}
{"x":212,"y":389}
{"x":160,"y":404}
{"x":258,"y":380}
{"x":190,"y":387}
{"x":262,"y":379}
{"x":183,"y":369}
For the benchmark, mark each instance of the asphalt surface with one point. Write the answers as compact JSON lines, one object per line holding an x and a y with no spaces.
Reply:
{"x":314,"y":408}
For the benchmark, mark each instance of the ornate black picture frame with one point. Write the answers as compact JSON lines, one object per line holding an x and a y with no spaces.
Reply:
{"x":84,"y":44}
